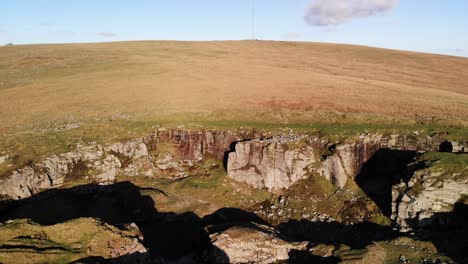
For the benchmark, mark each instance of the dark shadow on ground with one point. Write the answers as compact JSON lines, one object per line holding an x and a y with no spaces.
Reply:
{"x":166,"y":235}
{"x":185,"y":237}
{"x":386,"y":168}
{"x":356,"y":236}
{"x":225,"y":218}
{"x":299,"y":257}
{"x":447,"y":231}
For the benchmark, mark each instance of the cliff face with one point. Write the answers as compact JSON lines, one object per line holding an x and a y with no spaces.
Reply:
{"x":429,"y":192}
{"x":276,"y":164}
{"x":259,"y":159}
{"x":102,"y":163}
{"x":99,"y":163}
{"x":195,"y":145}
{"x":270,"y":163}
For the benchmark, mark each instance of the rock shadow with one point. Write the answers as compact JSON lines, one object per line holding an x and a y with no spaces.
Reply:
{"x":387,"y":167}
{"x":232,"y":148}
{"x":167,"y":236}
{"x":356,"y":236}
{"x":299,"y":257}
{"x":185,"y":238}
{"x":447,"y":231}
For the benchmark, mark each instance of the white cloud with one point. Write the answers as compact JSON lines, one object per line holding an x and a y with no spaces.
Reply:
{"x":336,"y":12}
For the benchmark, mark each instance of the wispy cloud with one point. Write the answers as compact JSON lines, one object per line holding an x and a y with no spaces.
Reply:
{"x":336,"y":12}
{"x":107,"y":34}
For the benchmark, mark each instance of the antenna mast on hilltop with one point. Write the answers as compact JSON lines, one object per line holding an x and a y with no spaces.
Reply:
{"x":253,"y":19}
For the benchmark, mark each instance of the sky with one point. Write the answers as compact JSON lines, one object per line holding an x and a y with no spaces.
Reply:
{"x":434,"y":26}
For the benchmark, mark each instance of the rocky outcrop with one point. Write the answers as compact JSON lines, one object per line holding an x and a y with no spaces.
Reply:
{"x":102,"y":163}
{"x":259,"y":159}
{"x":279,"y":162}
{"x":346,"y":160}
{"x":271,"y":164}
{"x":195,"y":145}
{"x":98,"y":163}
{"x":427,"y":193}
{"x":244,"y":245}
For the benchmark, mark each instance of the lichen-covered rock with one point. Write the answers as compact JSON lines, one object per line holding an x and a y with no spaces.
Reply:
{"x":270,"y":164}
{"x":140,"y":167}
{"x":101,"y":162}
{"x":347,"y":159}
{"x":243,"y":245}
{"x":4,"y":158}
{"x":276,"y":164}
{"x":265,"y":160}
{"x":198,"y":144}
{"x":426,"y":194}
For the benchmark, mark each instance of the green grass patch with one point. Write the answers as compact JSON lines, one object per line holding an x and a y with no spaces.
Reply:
{"x":27,"y":145}
{"x":447,"y":161}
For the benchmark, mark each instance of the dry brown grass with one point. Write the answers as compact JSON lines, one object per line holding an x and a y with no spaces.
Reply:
{"x":232,"y":80}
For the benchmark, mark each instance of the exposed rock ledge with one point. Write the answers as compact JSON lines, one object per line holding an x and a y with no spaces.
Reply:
{"x":266,"y":161}
{"x":245,"y":245}
{"x":277,"y":163}
{"x":429,"y":192}
{"x":102,"y":163}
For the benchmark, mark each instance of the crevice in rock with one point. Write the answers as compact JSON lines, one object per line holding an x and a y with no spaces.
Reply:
{"x":386,"y":168}
{"x":232,"y":148}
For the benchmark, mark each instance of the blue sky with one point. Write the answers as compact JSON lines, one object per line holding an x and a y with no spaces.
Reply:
{"x":434,"y":26}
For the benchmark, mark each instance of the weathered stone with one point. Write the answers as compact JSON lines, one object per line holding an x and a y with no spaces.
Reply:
{"x":274,"y":163}
{"x":271,"y":165}
{"x":428,"y":201}
{"x":243,"y":245}
{"x":4,"y":158}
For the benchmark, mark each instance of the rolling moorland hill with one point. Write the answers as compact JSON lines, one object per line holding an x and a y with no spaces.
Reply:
{"x":229,"y":80}
{"x":232,"y":152}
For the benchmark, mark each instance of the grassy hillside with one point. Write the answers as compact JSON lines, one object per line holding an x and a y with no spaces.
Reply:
{"x":233,"y":80}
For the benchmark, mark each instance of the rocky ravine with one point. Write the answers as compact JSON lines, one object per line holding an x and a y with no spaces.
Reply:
{"x":261,"y":160}
{"x":279,"y":162}
{"x":267,"y":161}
